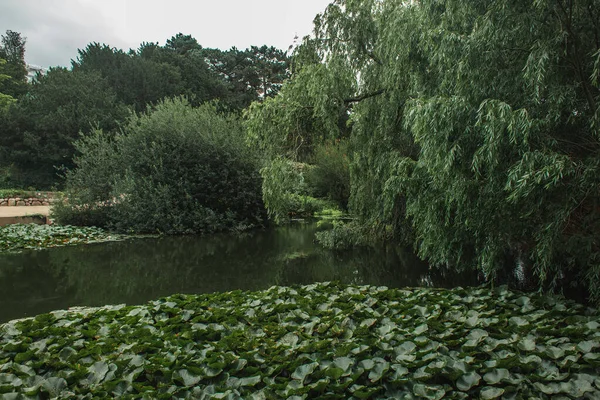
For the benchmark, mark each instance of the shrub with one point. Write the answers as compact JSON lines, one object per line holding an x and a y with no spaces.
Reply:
{"x":330,"y":177}
{"x":345,"y":235}
{"x":175,"y":169}
{"x":286,"y":193}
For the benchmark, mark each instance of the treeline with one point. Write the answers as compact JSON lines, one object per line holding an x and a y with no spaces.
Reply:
{"x":472,"y":128}
{"x":41,"y":121}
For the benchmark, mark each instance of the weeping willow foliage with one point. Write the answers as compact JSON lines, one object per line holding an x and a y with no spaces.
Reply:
{"x":474,"y":127}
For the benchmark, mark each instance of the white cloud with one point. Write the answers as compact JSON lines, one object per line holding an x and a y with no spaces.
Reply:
{"x":56,"y":29}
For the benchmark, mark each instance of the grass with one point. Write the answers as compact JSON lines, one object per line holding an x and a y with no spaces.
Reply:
{"x":324,"y":341}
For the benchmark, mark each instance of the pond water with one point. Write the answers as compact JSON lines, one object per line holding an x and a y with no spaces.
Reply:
{"x":135,"y":271}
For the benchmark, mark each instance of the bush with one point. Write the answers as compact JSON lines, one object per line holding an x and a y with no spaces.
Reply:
{"x":345,"y":235}
{"x":175,"y":169}
{"x":330,"y":177}
{"x":286,"y":193}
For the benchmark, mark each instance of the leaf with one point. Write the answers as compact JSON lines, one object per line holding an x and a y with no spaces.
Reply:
{"x":587,"y":346}
{"x":368,"y":322}
{"x":527,"y":344}
{"x":97,"y":372}
{"x":334,"y":372}
{"x":518,"y":322}
{"x":433,"y":392}
{"x":377,"y":372}
{"x":250,"y":381}
{"x":66,"y":353}
{"x":304,"y":370}
{"x":489,"y":392}
{"x":467,"y":381}
{"x":344,"y":363}
{"x":289,"y":340}
{"x":420,"y":329}
{"x":188,"y":378}
{"x":406,"y":348}
{"x":367,"y":364}
{"x":554,"y":352}
{"x":496,"y":376}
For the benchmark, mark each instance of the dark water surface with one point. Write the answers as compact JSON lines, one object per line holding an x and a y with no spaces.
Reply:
{"x":136,"y":271}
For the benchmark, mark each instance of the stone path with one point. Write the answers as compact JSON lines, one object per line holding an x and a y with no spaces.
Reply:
{"x":24,"y":211}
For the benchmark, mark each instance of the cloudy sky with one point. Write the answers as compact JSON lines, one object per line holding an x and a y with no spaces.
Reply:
{"x":55,"y":29}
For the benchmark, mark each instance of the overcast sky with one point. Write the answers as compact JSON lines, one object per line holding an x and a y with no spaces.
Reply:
{"x":55,"y":29}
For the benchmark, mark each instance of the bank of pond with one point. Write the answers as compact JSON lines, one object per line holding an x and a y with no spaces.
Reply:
{"x":256,"y":317}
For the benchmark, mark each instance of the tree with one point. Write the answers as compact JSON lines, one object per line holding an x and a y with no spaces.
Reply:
{"x":252,"y":74}
{"x":474,"y":128}
{"x":271,"y":67}
{"x":182,"y":44}
{"x":137,"y":81}
{"x":12,"y":50}
{"x":41,"y":128}
{"x":5,"y":99}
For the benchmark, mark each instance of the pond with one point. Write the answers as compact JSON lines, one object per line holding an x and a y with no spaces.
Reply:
{"x":135,"y":271}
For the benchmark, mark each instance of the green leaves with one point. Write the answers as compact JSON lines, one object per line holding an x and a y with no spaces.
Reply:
{"x":290,"y":347}
{"x":174,"y":169}
{"x":18,"y":237}
{"x":470,"y":138}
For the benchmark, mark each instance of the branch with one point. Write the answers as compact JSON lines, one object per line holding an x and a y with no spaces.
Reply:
{"x":364,"y":96}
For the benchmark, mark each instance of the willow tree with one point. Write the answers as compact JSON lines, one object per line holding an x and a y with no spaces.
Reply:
{"x":475,"y":127}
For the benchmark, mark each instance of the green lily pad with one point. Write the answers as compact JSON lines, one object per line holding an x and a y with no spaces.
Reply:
{"x":496,"y":376}
{"x":188,"y":378}
{"x":97,"y":372}
{"x":527,"y":344}
{"x":433,"y":392}
{"x":304,"y":370}
{"x":467,"y":381}
{"x":489,"y":392}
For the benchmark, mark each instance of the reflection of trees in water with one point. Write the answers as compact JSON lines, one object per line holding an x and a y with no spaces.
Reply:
{"x":28,"y":286}
{"x":135,"y":271}
{"x":390,"y":266}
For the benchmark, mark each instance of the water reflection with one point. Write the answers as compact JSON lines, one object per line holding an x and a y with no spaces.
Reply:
{"x":134,"y":272}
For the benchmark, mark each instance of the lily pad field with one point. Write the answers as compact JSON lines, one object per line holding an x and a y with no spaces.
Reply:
{"x":19,"y":237}
{"x":319,"y":341}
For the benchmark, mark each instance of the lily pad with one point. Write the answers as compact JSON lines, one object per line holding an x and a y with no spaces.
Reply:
{"x":467,"y":381}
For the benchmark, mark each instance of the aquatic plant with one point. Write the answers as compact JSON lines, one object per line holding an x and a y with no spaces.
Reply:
{"x":19,"y":237}
{"x":325,"y":341}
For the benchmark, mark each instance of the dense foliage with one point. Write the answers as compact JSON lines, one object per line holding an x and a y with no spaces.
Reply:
{"x":318,"y":341}
{"x":474,"y":128}
{"x":5,"y":99}
{"x":41,"y":128}
{"x":13,"y":72}
{"x":175,"y":169}
{"x":286,"y":193}
{"x":104,"y":85}
{"x":330,"y":177}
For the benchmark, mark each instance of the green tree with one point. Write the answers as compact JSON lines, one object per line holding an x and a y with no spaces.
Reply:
{"x":40,"y":129}
{"x":12,"y":50}
{"x":474,"y":127}
{"x":5,"y":99}
{"x":137,"y":81}
{"x":250,"y":75}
